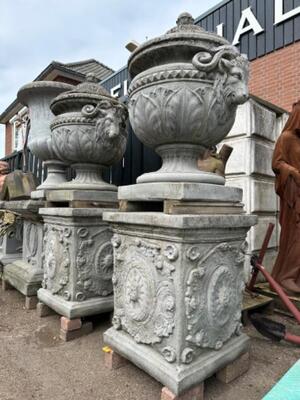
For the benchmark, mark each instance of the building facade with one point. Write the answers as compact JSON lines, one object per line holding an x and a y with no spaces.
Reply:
{"x":14,"y":117}
{"x":268,"y":31}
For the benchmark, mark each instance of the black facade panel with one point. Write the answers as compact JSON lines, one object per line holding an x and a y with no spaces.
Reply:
{"x":210,"y":26}
{"x":289,"y":25}
{"x":269,"y":27}
{"x":229,"y":26}
{"x":216,"y":19}
{"x":244,"y":40}
{"x":223,"y":18}
{"x":261,"y":39}
{"x":252,"y":49}
{"x":297,"y":22}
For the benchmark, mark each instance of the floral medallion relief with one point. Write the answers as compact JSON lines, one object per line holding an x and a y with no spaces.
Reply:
{"x":94,"y":263}
{"x":144,"y":290}
{"x":31,"y":241}
{"x":57,"y":260}
{"x":213,"y":294}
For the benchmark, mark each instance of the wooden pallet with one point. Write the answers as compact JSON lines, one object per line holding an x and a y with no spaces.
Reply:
{"x":264,"y":289}
{"x":257,"y":302}
{"x":80,"y":204}
{"x":177,"y":207}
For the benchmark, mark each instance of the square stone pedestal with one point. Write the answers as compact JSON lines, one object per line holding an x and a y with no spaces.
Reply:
{"x":178,"y":284}
{"x":77,"y":262}
{"x":26,"y":275}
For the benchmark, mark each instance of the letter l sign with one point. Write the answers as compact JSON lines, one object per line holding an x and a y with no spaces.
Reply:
{"x":280,"y":16}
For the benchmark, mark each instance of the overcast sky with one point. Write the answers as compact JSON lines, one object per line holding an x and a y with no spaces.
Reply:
{"x":35,"y":32}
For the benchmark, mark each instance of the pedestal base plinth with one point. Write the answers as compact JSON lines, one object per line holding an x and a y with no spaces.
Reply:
{"x":177,"y":378}
{"x":76,"y":309}
{"x":23,"y":277}
{"x":6,"y":259}
{"x":178,"y":285}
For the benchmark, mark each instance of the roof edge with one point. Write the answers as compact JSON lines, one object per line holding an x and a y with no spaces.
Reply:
{"x":211,"y":10}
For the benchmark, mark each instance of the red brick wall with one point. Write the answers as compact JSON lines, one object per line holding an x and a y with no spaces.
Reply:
{"x":275,"y":77}
{"x":8,"y":138}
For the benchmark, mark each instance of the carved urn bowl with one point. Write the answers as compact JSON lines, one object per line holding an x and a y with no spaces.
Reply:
{"x":37,"y":96}
{"x":185,"y":89}
{"x":89,"y":133}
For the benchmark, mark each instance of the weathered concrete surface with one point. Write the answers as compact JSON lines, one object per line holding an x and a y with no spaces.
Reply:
{"x":35,"y":364}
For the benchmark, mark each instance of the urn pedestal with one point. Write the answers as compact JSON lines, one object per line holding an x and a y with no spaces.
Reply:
{"x":26,"y":274}
{"x":77,"y":262}
{"x":178,"y":284}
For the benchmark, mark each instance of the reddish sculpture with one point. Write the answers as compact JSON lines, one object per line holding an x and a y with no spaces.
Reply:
{"x":286,"y":166}
{"x":4,"y":170}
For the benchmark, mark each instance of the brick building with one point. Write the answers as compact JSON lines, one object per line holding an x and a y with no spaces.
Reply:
{"x":268,"y":31}
{"x":15,"y":114}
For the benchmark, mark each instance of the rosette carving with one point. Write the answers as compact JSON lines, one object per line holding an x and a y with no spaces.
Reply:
{"x":56,"y":260}
{"x":144,"y":290}
{"x":94,"y":263}
{"x":213,"y":296}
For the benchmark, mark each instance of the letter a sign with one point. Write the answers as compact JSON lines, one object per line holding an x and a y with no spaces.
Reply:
{"x":248,"y":22}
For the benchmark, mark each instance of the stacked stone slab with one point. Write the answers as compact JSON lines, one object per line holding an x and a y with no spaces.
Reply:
{"x":253,"y":135}
{"x":178,"y":277}
{"x":87,"y":133}
{"x":26,"y":274}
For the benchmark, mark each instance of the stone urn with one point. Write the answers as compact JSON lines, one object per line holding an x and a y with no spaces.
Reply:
{"x":185,"y":89}
{"x":89,"y":133}
{"x":37,"y":96}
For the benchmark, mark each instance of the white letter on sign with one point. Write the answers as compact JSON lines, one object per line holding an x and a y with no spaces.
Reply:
{"x":253,"y":25}
{"x":279,"y":14}
{"x":220,"y":29}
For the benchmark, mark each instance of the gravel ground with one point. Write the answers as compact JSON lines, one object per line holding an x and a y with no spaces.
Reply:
{"x":36,"y":364}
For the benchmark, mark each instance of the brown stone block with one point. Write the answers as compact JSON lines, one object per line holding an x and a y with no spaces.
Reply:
{"x":70,"y":324}
{"x":6,"y":285}
{"x":66,"y":336}
{"x":235,"y":369}
{"x":31,"y":302}
{"x":195,"y":393}
{"x":43,"y":310}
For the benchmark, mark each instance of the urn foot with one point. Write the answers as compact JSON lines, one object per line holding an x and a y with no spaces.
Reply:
{"x":56,"y":175}
{"x":88,"y":177}
{"x":180,"y":165}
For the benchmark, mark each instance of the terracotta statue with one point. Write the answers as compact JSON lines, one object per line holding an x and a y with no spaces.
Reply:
{"x":215,"y":162}
{"x":4,"y":170}
{"x":286,"y":166}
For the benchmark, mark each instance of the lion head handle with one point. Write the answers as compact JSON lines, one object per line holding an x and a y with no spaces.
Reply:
{"x":229,"y":68}
{"x":111,"y":118}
